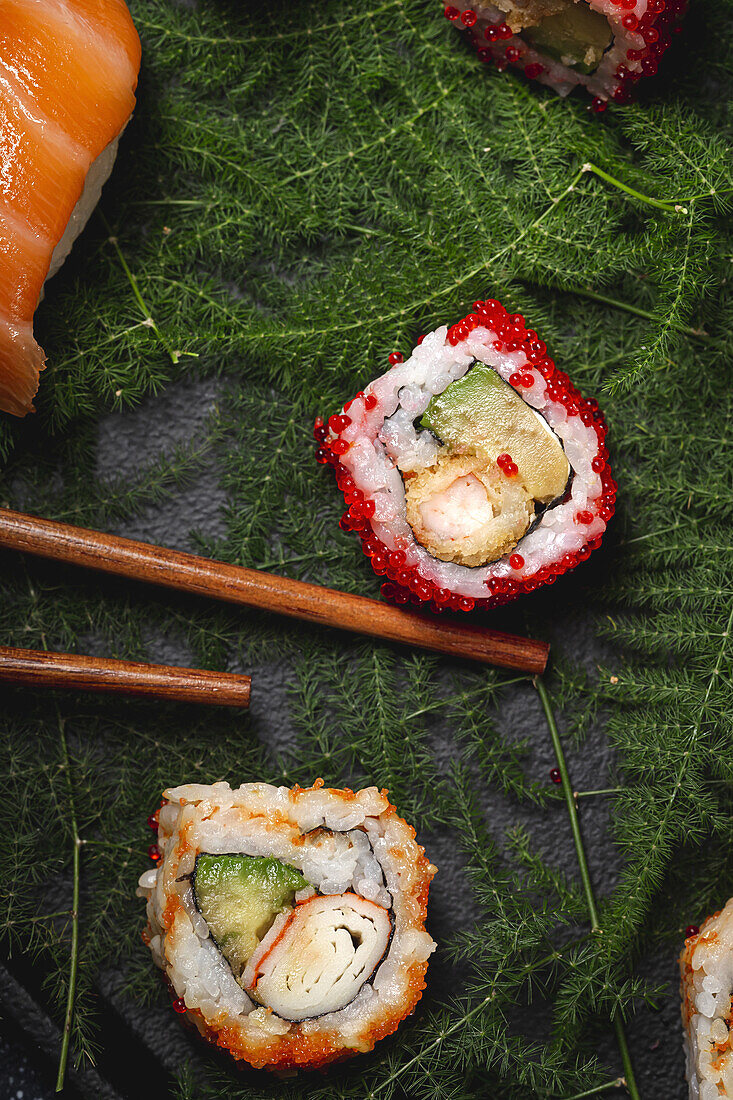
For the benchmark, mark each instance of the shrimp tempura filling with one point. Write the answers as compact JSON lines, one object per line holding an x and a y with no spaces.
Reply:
{"x":465,"y":509}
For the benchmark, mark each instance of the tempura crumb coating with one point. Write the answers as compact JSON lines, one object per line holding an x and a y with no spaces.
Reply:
{"x":261,"y":818}
{"x":502,"y":509}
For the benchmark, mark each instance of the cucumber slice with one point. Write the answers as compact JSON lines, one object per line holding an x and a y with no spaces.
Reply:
{"x":239,"y":897}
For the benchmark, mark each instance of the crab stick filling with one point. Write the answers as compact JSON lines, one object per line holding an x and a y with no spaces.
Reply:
{"x":317,"y":958}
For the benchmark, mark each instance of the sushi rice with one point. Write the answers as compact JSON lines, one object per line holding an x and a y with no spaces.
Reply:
{"x":706,"y":967}
{"x":361,"y":871}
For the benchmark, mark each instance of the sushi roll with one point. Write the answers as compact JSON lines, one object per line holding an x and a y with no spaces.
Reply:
{"x":290,"y":924}
{"x":473,"y":471}
{"x":706,"y":967}
{"x":68,"y":72}
{"x":605,"y":46}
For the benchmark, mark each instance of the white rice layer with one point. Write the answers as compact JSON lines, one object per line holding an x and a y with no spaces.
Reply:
{"x":707,"y":985}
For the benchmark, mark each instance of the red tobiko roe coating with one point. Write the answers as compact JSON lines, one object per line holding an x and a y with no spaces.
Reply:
{"x":656,"y":27}
{"x":404,"y":583}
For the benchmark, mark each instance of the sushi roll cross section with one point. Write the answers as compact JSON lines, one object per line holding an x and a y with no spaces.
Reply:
{"x":605,"y":46}
{"x":474,"y":471}
{"x":290,"y":924}
{"x":68,"y":72}
{"x":706,"y":968}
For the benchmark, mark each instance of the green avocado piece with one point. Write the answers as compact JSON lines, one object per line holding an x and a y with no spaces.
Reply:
{"x":481,"y":412}
{"x":577,"y":36}
{"x":239,"y":897}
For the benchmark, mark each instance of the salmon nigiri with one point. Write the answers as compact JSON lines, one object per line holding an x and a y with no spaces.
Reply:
{"x":68,"y":72}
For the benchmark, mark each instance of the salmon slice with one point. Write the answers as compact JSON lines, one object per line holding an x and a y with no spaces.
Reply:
{"x":68,"y":72}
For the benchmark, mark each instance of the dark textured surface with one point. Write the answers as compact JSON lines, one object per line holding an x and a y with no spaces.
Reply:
{"x":22,"y":1077}
{"x":130,"y":1033}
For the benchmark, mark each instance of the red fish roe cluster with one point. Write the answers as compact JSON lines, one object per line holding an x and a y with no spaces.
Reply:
{"x":507,"y":465}
{"x":643,"y":32}
{"x":404,"y":583}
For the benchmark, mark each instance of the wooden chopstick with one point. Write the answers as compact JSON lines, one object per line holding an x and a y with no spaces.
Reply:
{"x":235,"y":584}
{"x":37,"y":668}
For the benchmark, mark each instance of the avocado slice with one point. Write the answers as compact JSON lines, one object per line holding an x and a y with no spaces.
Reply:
{"x":577,"y":37}
{"x":239,"y":897}
{"x":481,"y":412}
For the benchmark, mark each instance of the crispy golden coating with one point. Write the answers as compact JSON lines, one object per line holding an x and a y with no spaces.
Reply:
{"x":531,"y":12}
{"x":466,"y":509}
{"x":193,"y":817}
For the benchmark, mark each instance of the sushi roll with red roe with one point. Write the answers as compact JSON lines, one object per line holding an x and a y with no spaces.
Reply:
{"x":605,"y":46}
{"x":474,"y":471}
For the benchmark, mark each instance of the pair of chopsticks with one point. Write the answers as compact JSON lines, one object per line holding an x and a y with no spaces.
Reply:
{"x":232,"y":584}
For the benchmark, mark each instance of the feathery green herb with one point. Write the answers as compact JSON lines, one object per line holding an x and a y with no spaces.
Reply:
{"x":304,"y":189}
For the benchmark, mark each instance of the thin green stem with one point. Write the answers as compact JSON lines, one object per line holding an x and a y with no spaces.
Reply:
{"x":40,"y":918}
{"x":570,"y":802}
{"x":606,"y":790}
{"x":463,"y":697}
{"x":707,"y":194}
{"x":637,"y":311}
{"x":528,"y":968}
{"x":651,"y":534}
{"x":661,"y":204}
{"x":584,"y":871}
{"x":149,"y":319}
{"x":74,"y":963}
{"x":112,"y":844}
{"x":630,"y":1079}
{"x":436,"y":1042}
{"x":619,"y":1083}
{"x":278,"y":563}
